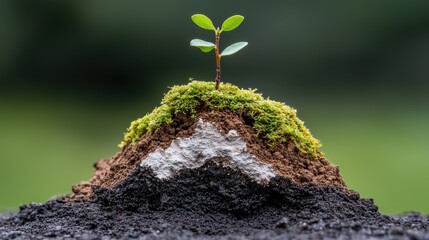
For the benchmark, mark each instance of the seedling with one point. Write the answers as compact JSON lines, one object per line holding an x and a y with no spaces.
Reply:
{"x":229,"y":24}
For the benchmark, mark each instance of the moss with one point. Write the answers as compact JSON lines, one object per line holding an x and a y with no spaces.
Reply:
{"x":274,"y":120}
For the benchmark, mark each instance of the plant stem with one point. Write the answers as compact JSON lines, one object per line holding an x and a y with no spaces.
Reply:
{"x":217,"y":60}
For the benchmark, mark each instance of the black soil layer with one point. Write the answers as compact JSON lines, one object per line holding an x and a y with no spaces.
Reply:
{"x":211,"y":202}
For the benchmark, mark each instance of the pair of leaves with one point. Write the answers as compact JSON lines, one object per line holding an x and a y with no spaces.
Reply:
{"x":208,"y":46}
{"x":229,"y":24}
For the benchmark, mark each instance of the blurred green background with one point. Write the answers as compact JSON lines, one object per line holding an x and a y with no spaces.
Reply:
{"x":74,"y":74}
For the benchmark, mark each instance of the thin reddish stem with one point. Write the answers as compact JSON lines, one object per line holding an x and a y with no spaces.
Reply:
{"x":217,"y":61}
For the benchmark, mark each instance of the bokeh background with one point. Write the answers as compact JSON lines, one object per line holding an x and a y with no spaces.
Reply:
{"x":74,"y":74}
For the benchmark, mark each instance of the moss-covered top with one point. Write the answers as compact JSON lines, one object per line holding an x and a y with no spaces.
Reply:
{"x":274,"y":120}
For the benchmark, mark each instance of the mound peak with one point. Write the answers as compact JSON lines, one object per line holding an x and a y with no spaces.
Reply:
{"x":232,"y":127}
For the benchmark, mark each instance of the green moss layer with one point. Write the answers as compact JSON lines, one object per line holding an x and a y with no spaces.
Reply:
{"x":274,"y":120}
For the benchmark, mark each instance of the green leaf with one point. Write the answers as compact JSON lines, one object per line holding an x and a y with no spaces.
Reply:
{"x":232,"y":22}
{"x":203,"y":45}
{"x":203,"y":21}
{"x":233,"y":48}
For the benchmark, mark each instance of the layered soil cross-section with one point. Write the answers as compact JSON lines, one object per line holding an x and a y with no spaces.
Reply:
{"x":210,"y":164}
{"x":225,"y":136}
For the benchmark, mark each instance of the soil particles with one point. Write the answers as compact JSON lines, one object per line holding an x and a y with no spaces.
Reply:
{"x":305,"y":198}
{"x":211,"y":202}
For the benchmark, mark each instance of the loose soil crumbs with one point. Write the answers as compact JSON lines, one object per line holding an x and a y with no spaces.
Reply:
{"x":211,"y":202}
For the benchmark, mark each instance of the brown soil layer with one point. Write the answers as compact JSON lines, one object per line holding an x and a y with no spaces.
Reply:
{"x":285,"y":158}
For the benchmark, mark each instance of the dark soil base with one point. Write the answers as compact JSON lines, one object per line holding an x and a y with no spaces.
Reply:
{"x":211,"y":202}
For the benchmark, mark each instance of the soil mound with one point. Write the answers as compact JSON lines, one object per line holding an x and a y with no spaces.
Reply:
{"x":196,"y":123}
{"x":284,"y":158}
{"x":212,"y":202}
{"x":213,"y":164}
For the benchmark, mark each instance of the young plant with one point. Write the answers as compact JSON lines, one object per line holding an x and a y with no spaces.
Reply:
{"x":229,"y":24}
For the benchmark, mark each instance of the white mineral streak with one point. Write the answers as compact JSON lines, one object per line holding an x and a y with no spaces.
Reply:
{"x":207,"y":143}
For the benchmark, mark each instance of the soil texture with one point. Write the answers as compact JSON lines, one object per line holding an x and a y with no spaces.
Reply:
{"x":211,"y":202}
{"x":307,"y":198}
{"x":285,"y":158}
